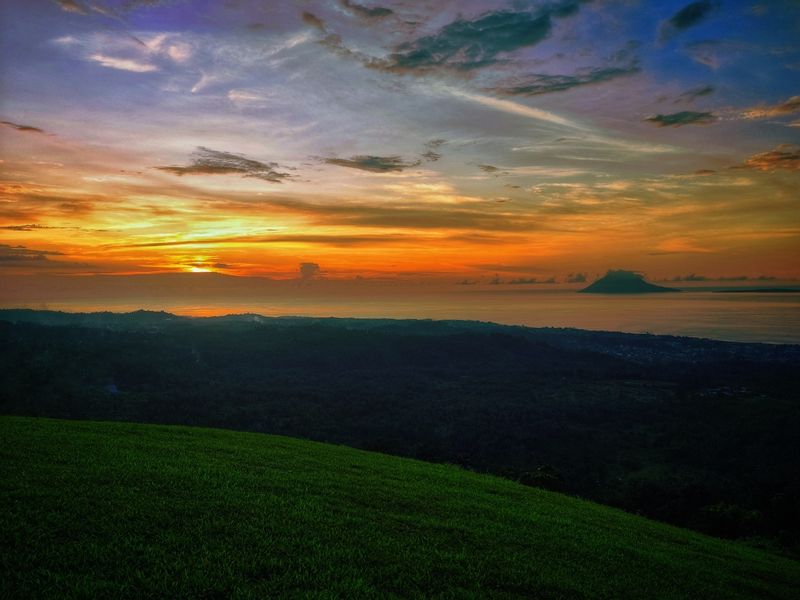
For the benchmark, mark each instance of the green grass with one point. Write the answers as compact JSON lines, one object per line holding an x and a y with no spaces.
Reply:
{"x":124,"y":510}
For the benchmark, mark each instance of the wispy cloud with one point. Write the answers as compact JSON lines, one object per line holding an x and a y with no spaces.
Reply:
{"x":321,"y":239}
{"x":516,"y":108}
{"x":213,"y":162}
{"x":374,"y":164}
{"x":19,"y":127}
{"x":695,"y":93}
{"x":716,"y":53}
{"x":72,"y":6}
{"x":785,"y":156}
{"x":535,"y":84}
{"x":693,"y":277}
{"x":123,"y":64}
{"x":116,"y":50}
{"x":788,"y":107}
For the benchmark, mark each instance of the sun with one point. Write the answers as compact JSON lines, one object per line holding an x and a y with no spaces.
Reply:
{"x":199,"y":270}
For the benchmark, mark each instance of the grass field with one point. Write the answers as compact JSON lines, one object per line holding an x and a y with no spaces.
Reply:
{"x":125,"y":510}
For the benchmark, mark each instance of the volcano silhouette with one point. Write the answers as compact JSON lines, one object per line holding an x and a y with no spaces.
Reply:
{"x":624,"y":282}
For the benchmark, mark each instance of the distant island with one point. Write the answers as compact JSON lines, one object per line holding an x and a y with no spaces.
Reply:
{"x":624,"y":282}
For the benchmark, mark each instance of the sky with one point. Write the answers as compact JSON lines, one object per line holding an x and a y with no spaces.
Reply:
{"x":403,"y":141}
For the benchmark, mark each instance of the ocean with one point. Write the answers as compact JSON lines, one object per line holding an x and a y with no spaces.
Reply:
{"x":746,"y":317}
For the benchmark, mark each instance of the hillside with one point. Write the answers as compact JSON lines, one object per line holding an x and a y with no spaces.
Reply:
{"x":698,"y":433}
{"x":624,"y":282}
{"x":124,"y":510}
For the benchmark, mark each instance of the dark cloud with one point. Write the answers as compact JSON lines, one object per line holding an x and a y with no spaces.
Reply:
{"x":690,"y":277}
{"x":492,"y":170}
{"x":374,"y":164}
{"x":535,"y":84}
{"x":366,"y":12}
{"x":468,"y":45}
{"x":134,"y":4}
{"x":333,"y":42}
{"x":431,"y":155}
{"x":785,"y":156}
{"x":576,"y":278}
{"x":685,"y":117}
{"x":507,"y":268}
{"x":530,"y":280}
{"x":72,"y":6}
{"x":689,"y":16}
{"x":693,"y":94}
{"x":31,"y":227}
{"x":314,"y":21}
{"x":23,"y":254}
{"x":705,"y":172}
{"x":206,"y":161}
{"x":309,"y":271}
{"x":18,"y":127}
{"x":26,"y":258}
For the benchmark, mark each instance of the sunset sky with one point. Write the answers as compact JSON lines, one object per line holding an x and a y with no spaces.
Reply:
{"x":408,"y":140}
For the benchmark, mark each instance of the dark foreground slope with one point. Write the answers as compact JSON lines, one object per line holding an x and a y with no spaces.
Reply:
{"x":124,"y":510}
{"x":698,"y":433}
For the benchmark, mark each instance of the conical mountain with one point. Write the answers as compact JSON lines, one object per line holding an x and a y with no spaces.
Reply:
{"x":624,"y":282}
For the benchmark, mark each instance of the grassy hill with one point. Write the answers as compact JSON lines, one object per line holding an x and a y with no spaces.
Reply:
{"x":124,"y":510}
